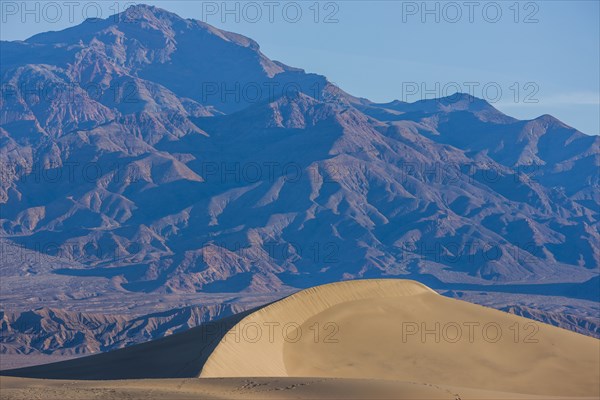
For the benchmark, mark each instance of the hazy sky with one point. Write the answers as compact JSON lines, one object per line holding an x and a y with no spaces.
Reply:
{"x":528,"y":58}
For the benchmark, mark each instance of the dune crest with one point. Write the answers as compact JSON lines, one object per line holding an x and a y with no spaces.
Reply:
{"x":280,"y":322}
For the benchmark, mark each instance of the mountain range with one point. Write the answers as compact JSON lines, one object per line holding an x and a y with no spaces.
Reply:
{"x":147,"y":156}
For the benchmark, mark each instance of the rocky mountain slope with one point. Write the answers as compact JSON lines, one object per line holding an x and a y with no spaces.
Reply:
{"x":147,"y":155}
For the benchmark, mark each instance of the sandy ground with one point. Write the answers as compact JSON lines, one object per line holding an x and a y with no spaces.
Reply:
{"x":365,"y":339}
{"x":243,"y":388}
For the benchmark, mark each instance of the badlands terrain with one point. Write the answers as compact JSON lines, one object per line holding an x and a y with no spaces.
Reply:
{"x":358,"y":339}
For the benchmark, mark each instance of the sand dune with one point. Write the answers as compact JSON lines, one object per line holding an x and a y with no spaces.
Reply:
{"x":396,"y":330}
{"x":405,"y":331}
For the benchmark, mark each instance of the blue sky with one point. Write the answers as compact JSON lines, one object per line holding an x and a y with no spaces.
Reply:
{"x":527,"y":58}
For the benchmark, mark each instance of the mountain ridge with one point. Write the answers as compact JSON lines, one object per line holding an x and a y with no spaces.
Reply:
{"x":129,"y":171}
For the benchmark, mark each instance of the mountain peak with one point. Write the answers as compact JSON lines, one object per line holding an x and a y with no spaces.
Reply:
{"x":141,"y":7}
{"x":448,"y":104}
{"x":136,"y":22}
{"x":148,"y":12}
{"x":547,"y":118}
{"x":547,"y":122}
{"x":462,"y":101}
{"x":164,"y":20}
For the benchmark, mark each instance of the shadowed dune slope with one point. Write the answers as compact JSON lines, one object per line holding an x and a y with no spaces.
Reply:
{"x":380,"y":329}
